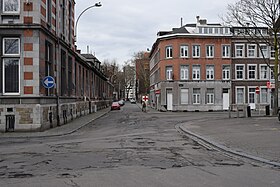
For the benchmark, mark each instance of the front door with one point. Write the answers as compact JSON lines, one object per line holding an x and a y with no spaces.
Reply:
{"x":252,"y":98}
{"x":169,"y":100}
{"x":225,"y":99}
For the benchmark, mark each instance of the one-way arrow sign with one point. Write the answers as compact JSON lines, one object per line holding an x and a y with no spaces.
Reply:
{"x":48,"y":82}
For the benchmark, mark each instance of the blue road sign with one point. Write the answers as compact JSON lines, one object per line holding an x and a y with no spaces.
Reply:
{"x":48,"y":82}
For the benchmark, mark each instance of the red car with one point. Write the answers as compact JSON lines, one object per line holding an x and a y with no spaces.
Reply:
{"x":115,"y":106}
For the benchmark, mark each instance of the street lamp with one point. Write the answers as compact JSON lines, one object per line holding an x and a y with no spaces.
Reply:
{"x":76,"y":24}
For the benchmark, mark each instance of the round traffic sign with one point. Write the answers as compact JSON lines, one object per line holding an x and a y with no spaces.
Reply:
{"x":257,"y":90}
{"x":48,"y":82}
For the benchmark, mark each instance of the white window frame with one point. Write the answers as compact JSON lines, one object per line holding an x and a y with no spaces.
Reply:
{"x":210,"y":97}
{"x":184,"y":96}
{"x":196,"y":97}
{"x":184,"y":72}
{"x":262,"y":93}
{"x":11,"y":54}
{"x":168,"y":52}
{"x":265,"y":51}
{"x":226,"y":72}
{"x":210,"y":51}
{"x":265,"y":71}
{"x":196,"y":51}
{"x":272,"y":52}
{"x":196,"y":72}
{"x":210,"y":72}
{"x":11,"y":12}
{"x":225,"y":51}
{"x":248,"y":71}
{"x":184,"y":51}
{"x":251,"y":50}
{"x":239,"y":50}
{"x":169,"y":72}
{"x":243,"y":71}
{"x":236,"y":94}
{"x":250,"y":93}
{"x":3,"y":69}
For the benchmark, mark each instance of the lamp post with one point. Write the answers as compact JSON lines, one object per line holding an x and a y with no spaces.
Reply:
{"x":76,"y":23}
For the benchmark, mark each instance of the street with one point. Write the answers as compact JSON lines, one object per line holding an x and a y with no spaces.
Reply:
{"x":128,"y":148}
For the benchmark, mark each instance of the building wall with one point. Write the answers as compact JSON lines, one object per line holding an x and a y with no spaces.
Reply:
{"x":174,"y":86}
{"x":34,"y":107}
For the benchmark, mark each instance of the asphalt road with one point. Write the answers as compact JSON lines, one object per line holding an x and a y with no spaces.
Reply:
{"x":127,"y":148}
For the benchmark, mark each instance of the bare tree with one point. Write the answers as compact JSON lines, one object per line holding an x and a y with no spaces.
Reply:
{"x":141,"y":61}
{"x":257,"y":14}
{"x":129,"y":77}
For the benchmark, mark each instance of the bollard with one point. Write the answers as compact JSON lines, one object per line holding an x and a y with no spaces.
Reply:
{"x":267,"y":110}
{"x":248,"y":111}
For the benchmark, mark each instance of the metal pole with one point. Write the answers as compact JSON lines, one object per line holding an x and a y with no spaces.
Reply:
{"x":76,"y":23}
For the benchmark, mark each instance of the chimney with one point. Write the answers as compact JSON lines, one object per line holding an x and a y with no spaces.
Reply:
{"x":197,"y":19}
{"x":181,"y":22}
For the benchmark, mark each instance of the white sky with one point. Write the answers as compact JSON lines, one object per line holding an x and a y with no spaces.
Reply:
{"x":121,"y":28}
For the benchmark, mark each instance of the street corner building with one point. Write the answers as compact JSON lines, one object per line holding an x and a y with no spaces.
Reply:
{"x":45,"y":81}
{"x":209,"y":67}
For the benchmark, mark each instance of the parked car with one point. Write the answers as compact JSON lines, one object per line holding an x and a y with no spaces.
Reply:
{"x":115,"y":106}
{"x":132,"y":101}
{"x":121,"y":102}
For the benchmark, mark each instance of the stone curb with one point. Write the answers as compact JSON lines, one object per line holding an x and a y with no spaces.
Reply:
{"x":58,"y":134}
{"x":196,"y":137}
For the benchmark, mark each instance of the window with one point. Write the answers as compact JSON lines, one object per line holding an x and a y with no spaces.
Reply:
{"x":226,"y":72}
{"x":196,"y":51}
{"x":11,"y":64}
{"x":252,"y":92}
{"x":70,"y":69}
{"x":251,"y":51}
{"x":210,"y":51}
{"x":240,"y":99}
{"x":210,"y":72}
{"x":196,"y":96}
{"x":264,"y":95}
{"x":263,"y":51}
{"x":48,"y":63}
{"x":271,"y":73}
{"x":239,"y":72}
{"x":239,"y":50}
{"x":184,"y":72}
{"x":252,"y":72}
{"x":184,"y":51}
{"x":168,"y":73}
{"x":168,"y":52}
{"x":11,"y":76}
{"x":11,"y":6}
{"x":184,"y":96}
{"x":11,"y":46}
{"x":63,"y":73}
{"x":210,"y":96}
{"x":226,"y":51}
{"x":272,"y":52}
{"x":48,"y":11}
{"x":263,"y":72}
{"x":196,"y":72}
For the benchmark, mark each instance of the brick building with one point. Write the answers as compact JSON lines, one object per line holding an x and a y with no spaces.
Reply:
{"x":37,"y":40}
{"x":252,"y":66}
{"x":190,"y":68}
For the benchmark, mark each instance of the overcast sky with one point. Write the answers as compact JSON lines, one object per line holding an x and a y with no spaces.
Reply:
{"x":121,"y":28}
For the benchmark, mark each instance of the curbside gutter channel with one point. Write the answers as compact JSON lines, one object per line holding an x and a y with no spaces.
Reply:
{"x":200,"y":139}
{"x":59,"y":133}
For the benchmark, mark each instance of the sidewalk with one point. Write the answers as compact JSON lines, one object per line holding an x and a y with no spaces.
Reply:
{"x":64,"y":129}
{"x":256,"y":138}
